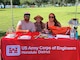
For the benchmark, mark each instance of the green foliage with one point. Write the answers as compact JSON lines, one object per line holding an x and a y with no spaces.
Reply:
{"x":16,"y":2}
{"x":37,"y":1}
{"x":27,"y":1}
{"x":22,"y":2}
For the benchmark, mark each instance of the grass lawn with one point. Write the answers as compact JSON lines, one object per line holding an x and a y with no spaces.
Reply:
{"x":63,"y":14}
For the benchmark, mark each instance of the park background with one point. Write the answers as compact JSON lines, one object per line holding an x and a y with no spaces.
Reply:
{"x":64,"y":11}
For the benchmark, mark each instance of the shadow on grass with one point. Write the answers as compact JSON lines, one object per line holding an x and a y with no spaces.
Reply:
{"x":74,"y":13}
{"x":2,"y":33}
{"x":2,"y":10}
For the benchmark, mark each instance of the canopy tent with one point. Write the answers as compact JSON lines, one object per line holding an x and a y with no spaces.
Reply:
{"x":12,"y":14}
{"x":12,"y":18}
{"x":76,"y":8}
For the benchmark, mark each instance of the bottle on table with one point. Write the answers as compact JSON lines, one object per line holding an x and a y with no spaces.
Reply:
{"x":72,"y":33}
{"x":76,"y":35}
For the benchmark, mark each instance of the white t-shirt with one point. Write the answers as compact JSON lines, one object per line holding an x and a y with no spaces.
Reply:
{"x":27,"y":25}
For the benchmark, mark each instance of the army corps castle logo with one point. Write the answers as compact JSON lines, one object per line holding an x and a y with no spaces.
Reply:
{"x":13,"y":50}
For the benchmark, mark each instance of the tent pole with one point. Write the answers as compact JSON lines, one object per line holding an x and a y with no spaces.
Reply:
{"x":12,"y":14}
{"x":76,"y":8}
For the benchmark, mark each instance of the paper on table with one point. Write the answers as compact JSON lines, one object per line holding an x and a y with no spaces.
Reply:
{"x":10,"y":36}
{"x":24,"y":37}
{"x":62,"y":36}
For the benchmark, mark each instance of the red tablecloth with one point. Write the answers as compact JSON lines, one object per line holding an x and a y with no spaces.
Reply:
{"x":40,"y":49}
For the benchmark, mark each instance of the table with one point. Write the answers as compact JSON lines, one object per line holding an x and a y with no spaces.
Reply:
{"x":40,"y":49}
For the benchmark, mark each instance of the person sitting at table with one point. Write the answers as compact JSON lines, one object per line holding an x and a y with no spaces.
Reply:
{"x":52,"y":21}
{"x":25,"y":25}
{"x":39,"y":24}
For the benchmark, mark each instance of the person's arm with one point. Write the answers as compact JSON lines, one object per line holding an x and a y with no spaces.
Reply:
{"x":19,"y":29}
{"x":46,"y":26}
{"x":59,"y":25}
{"x":43,"y":25}
{"x":33,"y":28}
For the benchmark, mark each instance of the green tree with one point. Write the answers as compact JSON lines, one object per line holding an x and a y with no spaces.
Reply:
{"x":22,"y":2}
{"x":39,"y":2}
{"x":16,"y":2}
{"x":1,"y":1}
{"x":27,"y":2}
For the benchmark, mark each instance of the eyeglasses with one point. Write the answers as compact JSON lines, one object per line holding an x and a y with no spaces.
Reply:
{"x":51,"y":17}
{"x":27,"y":15}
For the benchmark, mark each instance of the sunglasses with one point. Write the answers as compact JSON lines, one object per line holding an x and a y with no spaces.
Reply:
{"x":51,"y":17}
{"x":27,"y":16}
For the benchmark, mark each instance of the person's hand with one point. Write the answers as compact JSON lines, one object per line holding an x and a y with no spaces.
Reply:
{"x":26,"y":31}
{"x":46,"y":31}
